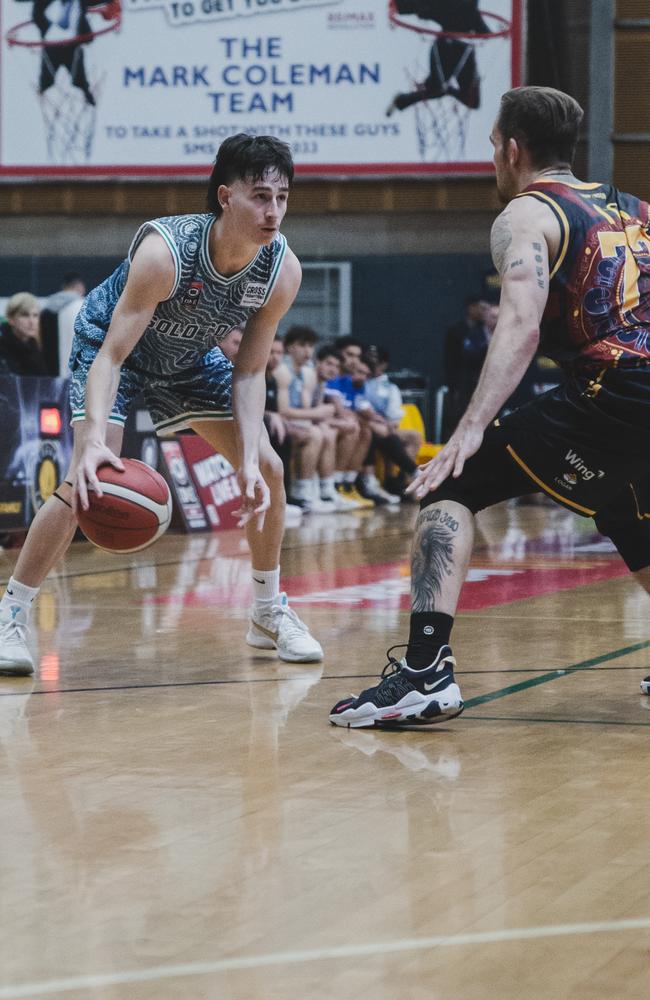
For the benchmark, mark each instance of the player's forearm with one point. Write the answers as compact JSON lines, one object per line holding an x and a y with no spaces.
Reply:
{"x":101,"y":388}
{"x":507,"y":360}
{"x":248,"y":401}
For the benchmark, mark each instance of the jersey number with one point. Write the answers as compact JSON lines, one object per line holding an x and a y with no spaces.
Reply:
{"x":629,"y":241}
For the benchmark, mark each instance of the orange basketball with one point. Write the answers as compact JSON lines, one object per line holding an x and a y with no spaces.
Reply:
{"x":135,"y":509}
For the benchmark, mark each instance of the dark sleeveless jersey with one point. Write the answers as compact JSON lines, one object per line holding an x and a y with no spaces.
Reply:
{"x":598,"y":310}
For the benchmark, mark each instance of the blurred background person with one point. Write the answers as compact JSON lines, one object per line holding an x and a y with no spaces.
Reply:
{"x":384,"y":440}
{"x":314,"y":454}
{"x":276,"y":426}
{"x":352,"y":435}
{"x":385,"y":398}
{"x":57,"y":322}
{"x":73,"y":288}
{"x":466,"y":344}
{"x":20,"y":344}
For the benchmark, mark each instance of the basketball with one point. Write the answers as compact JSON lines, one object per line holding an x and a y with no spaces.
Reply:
{"x":134,"y":511}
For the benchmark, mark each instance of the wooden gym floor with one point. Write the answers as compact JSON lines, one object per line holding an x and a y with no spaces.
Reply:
{"x":179,"y":820}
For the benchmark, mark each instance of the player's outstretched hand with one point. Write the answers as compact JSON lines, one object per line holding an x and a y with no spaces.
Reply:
{"x":93,"y":455}
{"x":463,"y":443}
{"x":255,"y":496}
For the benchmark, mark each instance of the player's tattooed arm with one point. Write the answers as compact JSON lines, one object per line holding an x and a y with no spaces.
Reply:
{"x":508,"y":257}
{"x":500,"y":239}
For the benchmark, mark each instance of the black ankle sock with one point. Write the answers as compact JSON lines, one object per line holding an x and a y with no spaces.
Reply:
{"x":429,"y":631}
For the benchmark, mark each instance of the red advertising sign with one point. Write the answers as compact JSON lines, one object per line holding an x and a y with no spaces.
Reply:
{"x":214,"y":479}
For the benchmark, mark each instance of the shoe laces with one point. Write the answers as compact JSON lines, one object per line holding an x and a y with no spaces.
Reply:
{"x":289,"y":622}
{"x":12,"y":629}
{"x":394,"y":683}
{"x":393,"y":665}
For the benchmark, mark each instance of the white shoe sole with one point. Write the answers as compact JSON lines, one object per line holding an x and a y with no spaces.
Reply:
{"x":258,"y":641}
{"x":408,"y":711}
{"x":17,"y":668}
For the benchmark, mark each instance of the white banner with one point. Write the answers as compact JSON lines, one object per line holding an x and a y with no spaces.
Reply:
{"x":147,"y":88}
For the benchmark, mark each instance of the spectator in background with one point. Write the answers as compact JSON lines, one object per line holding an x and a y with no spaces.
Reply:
{"x":313,"y":486}
{"x":230,"y":343}
{"x":57,"y":341}
{"x":353,"y":436}
{"x":386,"y":399}
{"x":383,"y":440}
{"x":466,"y":344}
{"x":278,"y":432}
{"x":350,"y":350}
{"x":20,"y":346}
{"x":73,"y":288}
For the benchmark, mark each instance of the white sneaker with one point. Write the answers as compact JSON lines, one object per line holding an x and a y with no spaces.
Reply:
{"x":279,"y":627}
{"x":322,"y":505}
{"x":375,"y":489}
{"x":340,"y":501}
{"x":15,"y":657}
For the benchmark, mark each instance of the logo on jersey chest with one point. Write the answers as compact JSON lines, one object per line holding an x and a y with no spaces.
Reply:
{"x":192,"y":294}
{"x":254,"y":294}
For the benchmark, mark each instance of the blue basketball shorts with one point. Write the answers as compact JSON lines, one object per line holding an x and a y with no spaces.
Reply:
{"x":202,"y":392}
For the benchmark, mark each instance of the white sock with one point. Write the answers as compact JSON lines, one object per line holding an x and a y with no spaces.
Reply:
{"x":266,"y":585}
{"x":302,"y":489}
{"x":18,"y":594}
{"x":349,"y":477}
{"x":327,"y":486}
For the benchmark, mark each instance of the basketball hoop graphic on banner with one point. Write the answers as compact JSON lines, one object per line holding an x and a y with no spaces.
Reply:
{"x":443,"y":81}
{"x":151,"y":88}
{"x":67,"y":86}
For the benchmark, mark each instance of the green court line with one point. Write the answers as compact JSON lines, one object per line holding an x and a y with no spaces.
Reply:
{"x":554,"y":674}
{"x":571,"y":722}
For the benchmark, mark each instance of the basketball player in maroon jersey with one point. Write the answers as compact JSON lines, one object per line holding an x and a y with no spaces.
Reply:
{"x":574,"y":260}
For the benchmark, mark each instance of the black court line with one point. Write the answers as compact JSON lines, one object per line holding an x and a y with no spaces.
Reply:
{"x":471,"y":703}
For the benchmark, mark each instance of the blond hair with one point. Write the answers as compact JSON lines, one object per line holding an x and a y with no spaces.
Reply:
{"x":21,"y":302}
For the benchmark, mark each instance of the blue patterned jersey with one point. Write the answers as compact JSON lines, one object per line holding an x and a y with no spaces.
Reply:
{"x":203,"y":307}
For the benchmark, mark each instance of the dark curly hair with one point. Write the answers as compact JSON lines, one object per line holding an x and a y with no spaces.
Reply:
{"x":247,"y":157}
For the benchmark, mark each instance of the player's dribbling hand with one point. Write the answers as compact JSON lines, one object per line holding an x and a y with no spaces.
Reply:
{"x":93,"y":455}
{"x":255,"y":496}
{"x":463,"y":443}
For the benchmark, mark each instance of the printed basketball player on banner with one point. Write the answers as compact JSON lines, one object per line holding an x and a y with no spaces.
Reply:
{"x":153,"y":88}
{"x":58,"y":32}
{"x":456,"y":32}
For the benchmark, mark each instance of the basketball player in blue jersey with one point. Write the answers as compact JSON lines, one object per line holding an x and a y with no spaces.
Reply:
{"x":574,"y":260}
{"x":153,"y":327}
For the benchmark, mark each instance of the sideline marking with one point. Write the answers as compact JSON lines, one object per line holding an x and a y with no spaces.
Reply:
{"x":482,"y":699}
{"x":316,"y":955}
{"x":471,"y":703}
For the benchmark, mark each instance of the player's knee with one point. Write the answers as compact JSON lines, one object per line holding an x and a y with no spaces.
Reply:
{"x":316,"y":434}
{"x":272,"y":469}
{"x":456,"y":491}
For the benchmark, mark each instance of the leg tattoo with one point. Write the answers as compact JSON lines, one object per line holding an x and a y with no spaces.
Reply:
{"x":433,"y":557}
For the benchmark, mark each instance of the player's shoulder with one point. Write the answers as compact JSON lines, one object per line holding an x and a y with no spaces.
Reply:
{"x":291,"y":270}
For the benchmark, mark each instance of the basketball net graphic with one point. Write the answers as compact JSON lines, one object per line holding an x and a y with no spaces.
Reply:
{"x":442,"y":121}
{"x":68,"y":88}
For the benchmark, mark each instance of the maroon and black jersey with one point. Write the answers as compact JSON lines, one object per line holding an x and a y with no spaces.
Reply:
{"x":598,"y":310}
